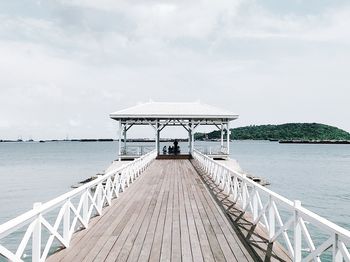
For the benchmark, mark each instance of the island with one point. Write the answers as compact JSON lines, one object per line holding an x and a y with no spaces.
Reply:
{"x":284,"y":133}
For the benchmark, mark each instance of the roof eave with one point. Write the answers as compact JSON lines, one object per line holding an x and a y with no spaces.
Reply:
{"x":157,"y":116}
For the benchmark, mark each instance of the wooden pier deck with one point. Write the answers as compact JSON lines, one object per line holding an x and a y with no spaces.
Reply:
{"x":167,"y":214}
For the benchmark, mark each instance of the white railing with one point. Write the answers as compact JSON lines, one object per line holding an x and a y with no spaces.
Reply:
{"x":212,"y":150}
{"x":71,"y":212}
{"x":136,"y":150}
{"x":283,"y":220}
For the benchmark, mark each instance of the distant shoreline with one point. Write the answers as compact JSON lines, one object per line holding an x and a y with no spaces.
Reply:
{"x":324,"y":142}
{"x":92,"y":140}
{"x":141,"y":140}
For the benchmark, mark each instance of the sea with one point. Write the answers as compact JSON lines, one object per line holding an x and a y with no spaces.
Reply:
{"x":317,"y":175}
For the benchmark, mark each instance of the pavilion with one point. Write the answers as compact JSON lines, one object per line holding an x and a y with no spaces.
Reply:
{"x":162,"y":114}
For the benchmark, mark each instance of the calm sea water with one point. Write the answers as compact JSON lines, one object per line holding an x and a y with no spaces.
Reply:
{"x":318,"y":175}
{"x":38,"y":172}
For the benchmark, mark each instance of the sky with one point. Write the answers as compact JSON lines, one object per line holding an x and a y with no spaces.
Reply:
{"x":66,"y":64}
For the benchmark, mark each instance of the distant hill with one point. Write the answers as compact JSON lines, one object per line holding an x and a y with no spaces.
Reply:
{"x":291,"y":131}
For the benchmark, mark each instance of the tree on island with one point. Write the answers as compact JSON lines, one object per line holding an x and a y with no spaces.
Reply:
{"x":290,"y":131}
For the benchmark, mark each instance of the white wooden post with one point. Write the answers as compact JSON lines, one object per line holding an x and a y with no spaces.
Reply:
{"x":157,"y":138}
{"x":272,"y":225}
{"x":121,"y":181}
{"x":255,"y":205}
{"x":36,"y":237}
{"x":244,"y":194}
{"x":86,"y":207}
{"x":98,"y":198}
{"x":192,"y":139}
{"x":222,"y":137}
{"x":297,"y":232}
{"x":120,"y":141}
{"x":124,"y":137}
{"x":337,"y":255}
{"x":66,"y":222}
{"x":189,"y":141}
{"x":228,"y":138}
{"x":235,"y":189}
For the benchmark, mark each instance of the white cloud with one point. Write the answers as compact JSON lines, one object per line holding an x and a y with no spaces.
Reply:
{"x":61,"y":76}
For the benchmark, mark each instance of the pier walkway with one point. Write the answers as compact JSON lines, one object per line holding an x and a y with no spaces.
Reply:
{"x":168,"y":214}
{"x":159,"y":209}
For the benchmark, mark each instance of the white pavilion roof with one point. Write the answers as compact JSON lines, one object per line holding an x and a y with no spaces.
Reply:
{"x":161,"y":110}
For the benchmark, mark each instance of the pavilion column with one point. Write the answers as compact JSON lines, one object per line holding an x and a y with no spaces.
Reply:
{"x":222,"y":137}
{"x":190,"y":139}
{"x":157,"y":137}
{"x":228,"y":138}
{"x":124,"y":137}
{"x":120,"y":140}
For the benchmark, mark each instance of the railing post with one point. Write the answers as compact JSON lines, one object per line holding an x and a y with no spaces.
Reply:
{"x":235,"y":189}
{"x":244,"y":193}
{"x":100,"y":197}
{"x":66,"y":222}
{"x":36,"y":237}
{"x":255,"y":205}
{"x":228,"y":182}
{"x":86,"y":207}
{"x":128,"y":176}
{"x":337,"y":256}
{"x":272,"y":225}
{"x":121,"y":181}
{"x":297,"y":232}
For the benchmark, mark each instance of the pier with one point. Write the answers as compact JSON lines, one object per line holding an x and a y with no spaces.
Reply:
{"x":165,"y":207}
{"x":167,"y":214}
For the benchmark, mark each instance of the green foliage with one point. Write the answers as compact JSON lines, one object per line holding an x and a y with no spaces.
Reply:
{"x":291,"y":131}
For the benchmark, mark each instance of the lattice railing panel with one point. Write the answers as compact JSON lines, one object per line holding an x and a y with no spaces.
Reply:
{"x":51,"y":225}
{"x":305,"y":235}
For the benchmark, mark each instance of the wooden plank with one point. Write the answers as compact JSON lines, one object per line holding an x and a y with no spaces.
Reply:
{"x":176,"y":236}
{"x":141,"y":220}
{"x":167,"y":214}
{"x":220,"y":235}
{"x":238,"y":249}
{"x":151,"y":216}
{"x":132,"y":223}
{"x":79,"y":236}
{"x":194,"y":238}
{"x":113,"y":231}
{"x":78,"y":244}
{"x":245,"y":232}
{"x":112,"y":224}
{"x":165,"y":254}
{"x":147,"y":247}
{"x":91,"y":250}
{"x":213,"y":241}
{"x":158,"y":235}
{"x":184,"y":231}
{"x":199,"y":191}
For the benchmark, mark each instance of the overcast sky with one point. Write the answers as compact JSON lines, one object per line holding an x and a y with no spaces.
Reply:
{"x":66,"y":64}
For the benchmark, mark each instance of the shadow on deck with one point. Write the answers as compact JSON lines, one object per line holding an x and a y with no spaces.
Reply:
{"x":172,"y":156}
{"x":254,"y":237}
